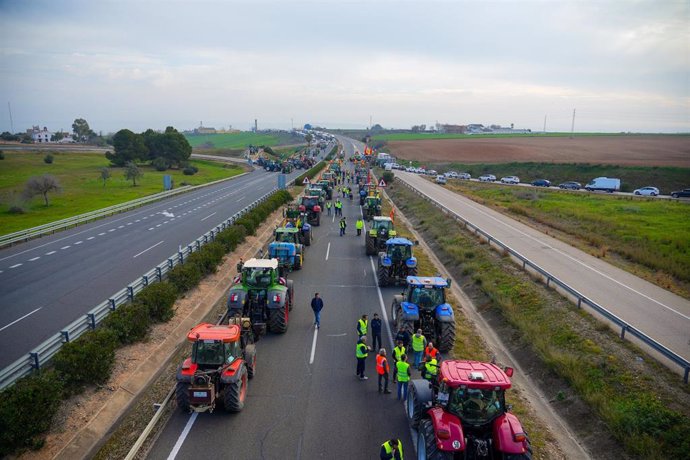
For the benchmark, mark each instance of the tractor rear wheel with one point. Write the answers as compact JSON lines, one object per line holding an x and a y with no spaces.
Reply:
{"x":370,"y":245}
{"x":384,"y":280}
{"x":278,"y":319}
{"x":182,"y":396}
{"x":235,"y":393}
{"x":414,"y":407}
{"x":426,"y":443}
{"x":307,"y":239}
{"x":250,"y":359}
{"x":291,"y":292}
{"x":318,"y":220}
{"x":447,"y":337}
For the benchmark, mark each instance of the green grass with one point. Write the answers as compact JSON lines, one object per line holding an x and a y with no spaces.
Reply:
{"x":82,"y":188}
{"x":667,"y":179}
{"x":240,"y":140}
{"x":645,"y":408}
{"x":649,"y":232}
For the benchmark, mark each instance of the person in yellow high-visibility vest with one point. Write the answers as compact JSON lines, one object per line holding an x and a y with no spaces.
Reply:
{"x":361,"y":352}
{"x":398,"y":351}
{"x":362,"y":326}
{"x":391,"y":450}
{"x":402,"y":371}
{"x":418,"y":344}
{"x":359,"y":225}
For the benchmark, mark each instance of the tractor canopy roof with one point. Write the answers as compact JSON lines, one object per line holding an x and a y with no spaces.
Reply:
{"x":381,"y":218}
{"x":261,"y":263}
{"x":473,"y":374}
{"x":399,"y":242}
{"x":431,"y":281}
{"x":287,"y":230}
{"x":215,"y":333}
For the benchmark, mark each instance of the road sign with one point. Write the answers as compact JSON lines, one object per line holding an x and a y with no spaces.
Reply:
{"x":305,"y":181}
{"x":382,"y":183}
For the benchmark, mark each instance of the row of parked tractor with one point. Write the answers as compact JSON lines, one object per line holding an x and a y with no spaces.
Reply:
{"x":286,"y":166}
{"x":260,"y":298}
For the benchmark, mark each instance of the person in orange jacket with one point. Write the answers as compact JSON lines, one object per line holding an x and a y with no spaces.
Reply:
{"x":383,"y":370}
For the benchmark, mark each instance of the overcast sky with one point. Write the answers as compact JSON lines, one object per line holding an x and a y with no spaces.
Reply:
{"x":623,"y":65}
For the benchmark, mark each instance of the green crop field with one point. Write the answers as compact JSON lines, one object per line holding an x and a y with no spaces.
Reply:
{"x":240,"y":140}
{"x":649,"y":232}
{"x":82,"y":188}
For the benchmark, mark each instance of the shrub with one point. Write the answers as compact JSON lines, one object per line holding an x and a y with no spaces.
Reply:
{"x":87,"y":360}
{"x":130,"y":322}
{"x":159,"y":300}
{"x":2,"y":155}
{"x":160,"y":163}
{"x":189,"y":171}
{"x":248,"y":223}
{"x":207,"y":258}
{"x":388,"y":177}
{"x":27,"y":409}
{"x":14,"y":209}
{"x":231,"y":237}
{"x":184,"y":277}
{"x":48,"y":159}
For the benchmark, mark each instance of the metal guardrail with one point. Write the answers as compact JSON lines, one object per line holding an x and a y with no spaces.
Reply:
{"x":46,"y":350}
{"x":625,"y":327}
{"x":52,"y":227}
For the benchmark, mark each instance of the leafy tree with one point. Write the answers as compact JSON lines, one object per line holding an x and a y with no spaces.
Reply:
{"x":105,"y":175}
{"x":82,"y":131}
{"x":169,"y":145}
{"x":308,"y":138}
{"x":132,"y":172}
{"x":41,"y":185}
{"x":129,"y":147}
{"x":8,"y":136}
{"x":58,"y":136}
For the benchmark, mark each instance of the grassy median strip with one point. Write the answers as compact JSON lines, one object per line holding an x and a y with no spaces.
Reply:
{"x":646,"y":232}
{"x":645,"y":406}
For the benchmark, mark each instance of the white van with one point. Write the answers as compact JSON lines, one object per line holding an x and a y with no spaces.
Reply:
{"x":606,"y":184}
{"x":388,"y":166}
{"x":441,"y":179}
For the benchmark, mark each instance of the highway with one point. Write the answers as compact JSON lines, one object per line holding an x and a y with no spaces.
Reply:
{"x":658,"y":313}
{"x":47,"y":283}
{"x":305,"y":401}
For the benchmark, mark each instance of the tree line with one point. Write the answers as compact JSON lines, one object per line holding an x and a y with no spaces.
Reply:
{"x":163,"y":150}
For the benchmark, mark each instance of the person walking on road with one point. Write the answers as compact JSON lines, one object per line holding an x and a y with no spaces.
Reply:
{"x":402,"y":370}
{"x":338,"y":207}
{"x":418,"y":344}
{"x":343,"y":225}
{"x":391,"y":450}
{"x":398,"y":351}
{"x":376,"y":342}
{"x":328,"y":207}
{"x":382,"y":369}
{"x":361,"y":352}
{"x":317,"y":306}
{"x":359,"y":226}
{"x":362,"y":326}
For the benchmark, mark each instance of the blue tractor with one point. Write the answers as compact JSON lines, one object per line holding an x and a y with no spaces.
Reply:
{"x":287,"y":249}
{"x":422,"y":305}
{"x":397,"y":262}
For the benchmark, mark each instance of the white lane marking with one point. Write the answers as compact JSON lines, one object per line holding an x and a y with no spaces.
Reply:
{"x":328,"y":250}
{"x":112,"y":230}
{"x":151,"y":228}
{"x":65,"y":247}
{"x":147,"y":249}
{"x":579,"y":262}
{"x":313,"y":346}
{"x":78,"y":242}
{"x":336,"y":335}
{"x":35,"y":258}
{"x":50,"y":253}
{"x":16,"y":265}
{"x":159,"y":225}
{"x":242,"y":198}
{"x":183,"y":436}
{"x":121,"y":226}
{"x":138,"y":220}
{"x":90,"y":238}
{"x":17,"y":320}
{"x":101,"y":234}
{"x":129,"y":223}
{"x":208,"y":216}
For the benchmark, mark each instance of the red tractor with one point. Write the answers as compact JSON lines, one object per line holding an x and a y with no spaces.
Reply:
{"x":462,"y":414}
{"x":223,"y":359}
{"x":311,"y":205}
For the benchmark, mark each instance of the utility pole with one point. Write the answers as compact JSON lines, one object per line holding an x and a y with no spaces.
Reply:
{"x":572,"y":126}
{"x":369,"y":121}
{"x":9,"y":107}
{"x":544,"y":124}
{"x":292,"y":123}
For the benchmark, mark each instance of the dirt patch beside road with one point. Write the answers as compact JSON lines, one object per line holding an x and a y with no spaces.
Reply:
{"x":633,"y":150}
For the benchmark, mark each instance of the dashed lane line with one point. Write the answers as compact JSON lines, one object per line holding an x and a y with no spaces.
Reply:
{"x":35,"y":258}
{"x":19,"y":319}
{"x":50,"y":253}
{"x":65,"y":247}
{"x":16,"y":265}
{"x":148,"y":249}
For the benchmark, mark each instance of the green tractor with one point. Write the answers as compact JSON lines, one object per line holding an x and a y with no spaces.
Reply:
{"x":396,"y":263}
{"x":261,"y":294}
{"x":372,"y":207}
{"x":381,"y":230}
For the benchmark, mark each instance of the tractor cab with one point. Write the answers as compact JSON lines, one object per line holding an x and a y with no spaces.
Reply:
{"x":309,"y":202}
{"x":382,"y":227}
{"x":399,"y":249}
{"x":260,"y":273}
{"x":426,"y":292}
{"x":214,"y":346}
{"x":287,"y":235}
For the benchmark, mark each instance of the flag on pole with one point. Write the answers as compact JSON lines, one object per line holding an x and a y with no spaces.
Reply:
{"x":392,"y":214}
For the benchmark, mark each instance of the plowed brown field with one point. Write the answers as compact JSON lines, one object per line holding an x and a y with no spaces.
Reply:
{"x":619,"y":150}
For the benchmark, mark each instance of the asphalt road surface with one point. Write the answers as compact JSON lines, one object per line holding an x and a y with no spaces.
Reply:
{"x":305,"y":401}
{"x":658,"y":313}
{"x":47,"y":283}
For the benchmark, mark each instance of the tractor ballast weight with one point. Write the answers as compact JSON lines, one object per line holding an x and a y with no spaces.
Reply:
{"x":380,"y":231}
{"x":422,"y":305}
{"x":463,"y":414}
{"x":397,"y":262}
{"x":223,"y":359}
{"x":261,"y":294}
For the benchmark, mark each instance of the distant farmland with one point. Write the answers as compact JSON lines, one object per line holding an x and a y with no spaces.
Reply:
{"x":240,"y":140}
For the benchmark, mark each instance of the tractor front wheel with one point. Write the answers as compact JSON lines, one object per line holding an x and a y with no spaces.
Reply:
{"x":278,"y":319}
{"x":235,"y":393}
{"x":370,"y":245}
{"x":447,"y":337}
{"x":412,"y":271}
{"x":182,"y":396}
{"x":426,"y":443}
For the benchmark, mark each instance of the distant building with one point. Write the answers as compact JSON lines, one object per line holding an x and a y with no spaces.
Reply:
{"x":38,"y":135}
{"x":452,"y":129}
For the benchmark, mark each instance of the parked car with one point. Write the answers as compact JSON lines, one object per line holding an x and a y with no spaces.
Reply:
{"x":451,"y":175}
{"x":510,"y":180}
{"x":487,"y":178}
{"x":441,"y":179}
{"x":541,"y":183}
{"x":570,"y":185}
{"x":685,"y":193}
{"x":647,"y":191}
{"x":604,"y":184}
{"x":464,"y":175}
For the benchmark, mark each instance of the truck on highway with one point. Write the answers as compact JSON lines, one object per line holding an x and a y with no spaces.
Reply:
{"x":606,"y":184}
